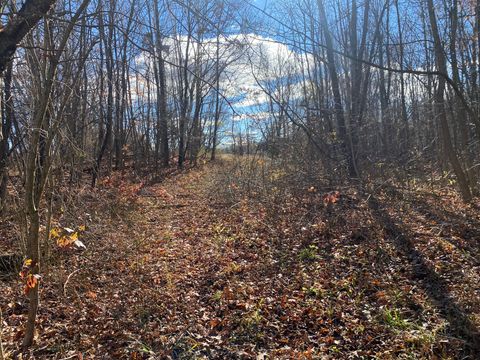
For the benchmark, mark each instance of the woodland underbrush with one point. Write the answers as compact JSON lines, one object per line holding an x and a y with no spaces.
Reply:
{"x":391,"y":261}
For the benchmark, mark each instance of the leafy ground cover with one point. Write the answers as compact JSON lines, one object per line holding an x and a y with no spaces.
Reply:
{"x":195,"y":267}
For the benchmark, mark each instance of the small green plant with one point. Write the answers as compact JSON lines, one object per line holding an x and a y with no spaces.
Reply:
{"x":144,"y":348}
{"x":217,"y":296}
{"x":359,"y":329}
{"x":253,"y":319}
{"x":330,"y":311}
{"x":309,"y":253}
{"x":422,"y":339}
{"x":334,"y":349}
{"x":312,"y":291}
{"x":233,"y":268}
{"x":393,"y":318}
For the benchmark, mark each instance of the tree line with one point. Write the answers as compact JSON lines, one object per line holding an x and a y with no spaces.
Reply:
{"x":385,"y":88}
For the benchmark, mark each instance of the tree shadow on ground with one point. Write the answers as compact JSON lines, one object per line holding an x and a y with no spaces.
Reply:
{"x":459,"y":324}
{"x":467,"y":228}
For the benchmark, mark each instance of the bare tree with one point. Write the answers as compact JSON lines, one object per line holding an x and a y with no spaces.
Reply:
{"x":38,"y":163}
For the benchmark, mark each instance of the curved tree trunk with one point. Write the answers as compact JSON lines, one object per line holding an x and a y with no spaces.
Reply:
{"x":11,"y":35}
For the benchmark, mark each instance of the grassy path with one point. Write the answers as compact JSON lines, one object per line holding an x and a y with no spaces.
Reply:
{"x":180,"y":271}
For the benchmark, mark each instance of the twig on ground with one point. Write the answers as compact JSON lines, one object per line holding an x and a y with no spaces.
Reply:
{"x":66,"y":281}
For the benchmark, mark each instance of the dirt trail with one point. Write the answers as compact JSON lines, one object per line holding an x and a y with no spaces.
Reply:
{"x":164,"y":256}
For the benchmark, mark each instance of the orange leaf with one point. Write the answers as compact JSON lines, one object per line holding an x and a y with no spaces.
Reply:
{"x":91,"y":295}
{"x":331,"y":197}
{"x":214,"y":323}
{"x":32,"y":281}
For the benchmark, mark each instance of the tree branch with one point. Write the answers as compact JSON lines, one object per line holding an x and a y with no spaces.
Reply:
{"x":19,"y":26}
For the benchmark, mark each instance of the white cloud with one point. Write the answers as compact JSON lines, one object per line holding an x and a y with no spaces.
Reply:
{"x":250,"y":58}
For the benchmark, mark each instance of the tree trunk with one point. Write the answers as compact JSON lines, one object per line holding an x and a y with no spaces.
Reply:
{"x":440,"y":108}
{"x":7,"y":120}
{"x":342,"y":129}
{"x":217,"y":98}
{"x":162,"y":93}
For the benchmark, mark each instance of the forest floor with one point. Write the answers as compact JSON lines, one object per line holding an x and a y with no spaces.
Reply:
{"x":186,"y":269}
